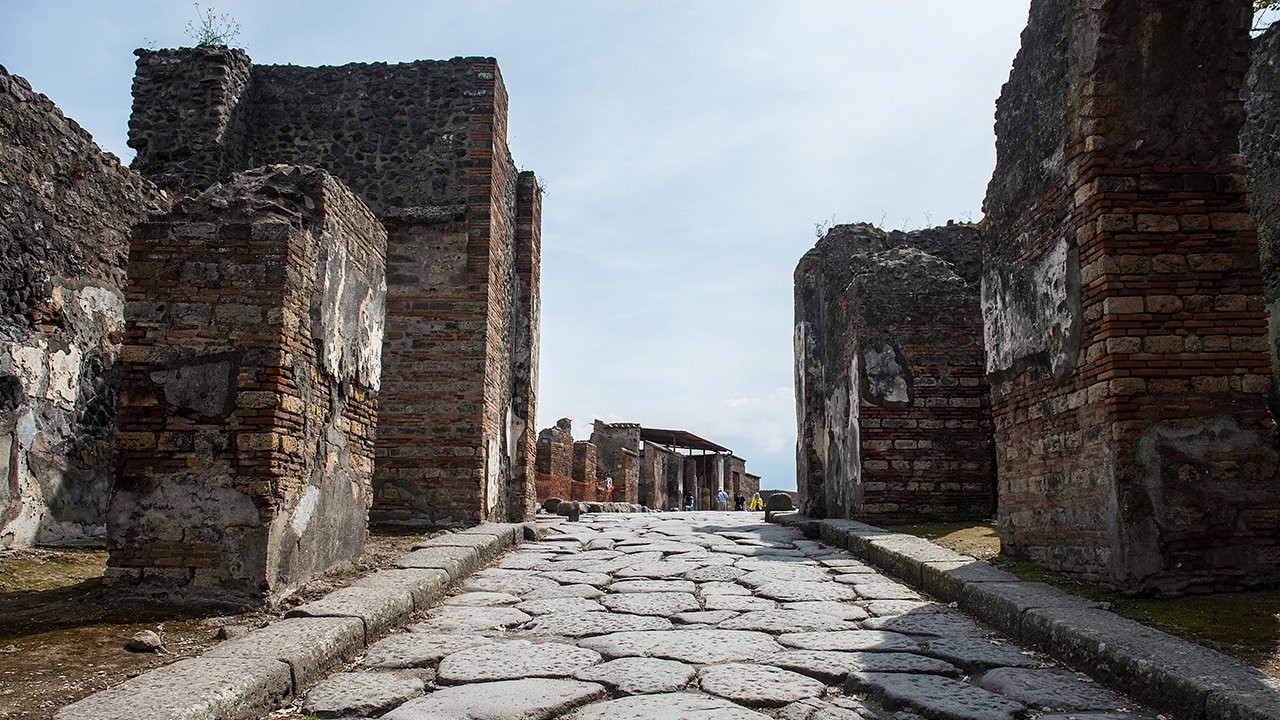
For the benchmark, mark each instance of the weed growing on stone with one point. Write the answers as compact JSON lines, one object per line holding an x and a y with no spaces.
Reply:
{"x":211,"y":29}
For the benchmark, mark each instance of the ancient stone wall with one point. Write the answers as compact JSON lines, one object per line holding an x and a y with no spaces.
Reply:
{"x":894,"y":421}
{"x":252,"y":361}
{"x":584,"y":463}
{"x":661,"y":477}
{"x":1260,"y":144}
{"x":424,"y":144}
{"x":1125,"y":327}
{"x":66,"y":209}
{"x":619,"y":448}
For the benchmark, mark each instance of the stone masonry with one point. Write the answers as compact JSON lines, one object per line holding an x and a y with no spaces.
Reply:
{"x":619,"y":448}
{"x":1125,"y":327}
{"x":66,"y":209}
{"x":553,"y":464}
{"x":424,"y":145}
{"x":894,"y":419}
{"x":1260,"y":143}
{"x":252,"y":357}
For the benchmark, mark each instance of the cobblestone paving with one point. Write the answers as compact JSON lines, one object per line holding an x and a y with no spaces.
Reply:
{"x":699,"y":615}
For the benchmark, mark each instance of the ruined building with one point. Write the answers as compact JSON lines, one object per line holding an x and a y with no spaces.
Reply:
{"x":352,"y":254}
{"x":251,"y":364}
{"x":66,"y":210}
{"x":895,"y":421}
{"x":1122,"y":306}
{"x":624,"y":462}
{"x":423,"y":144}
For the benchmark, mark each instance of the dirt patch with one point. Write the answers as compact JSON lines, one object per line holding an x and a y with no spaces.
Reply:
{"x":1244,"y":625}
{"x":62,"y":633}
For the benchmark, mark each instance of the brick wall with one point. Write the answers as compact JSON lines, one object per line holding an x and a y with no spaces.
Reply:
{"x":895,"y":419}
{"x":1260,"y":143}
{"x":67,"y":209}
{"x":584,"y":462}
{"x":424,"y":144}
{"x":1125,"y":325}
{"x":252,"y":356}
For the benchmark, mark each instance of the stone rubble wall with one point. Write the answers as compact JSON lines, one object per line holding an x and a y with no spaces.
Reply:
{"x":424,"y":145}
{"x":584,"y":463}
{"x":66,"y":209}
{"x":1125,"y":325}
{"x":891,"y":395}
{"x":252,"y":363}
{"x":619,"y":448}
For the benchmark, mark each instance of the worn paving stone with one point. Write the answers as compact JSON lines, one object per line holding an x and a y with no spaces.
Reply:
{"x":651,"y":603}
{"x":838,"y":708}
{"x":934,"y":696}
{"x":850,"y":640}
{"x":1047,"y":689}
{"x":723,"y":573}
{"x":640,"y":675}
{"x":417,"y":650}
{"x":426,"y":586}
{"x":738,"y":603}
{"x":781,"y":621}
{"x":513,"y":660}
{"x":360,"y":694}
{"x":848,"y":565}
{"x":532,"y":699}
{"x":932,"y":624}
{"x":893,"y":608}
{"x":582,"y":624}
{"x":785,"y":573}
{"x":977,"y":653}
{"x":704,"y":617}
{"x":564,"y":604}
{"x":758,"y":685}
{"x":722,"y":587}
{"x":311,"y":646}
{"x":648,"y":586}
{"x":461,"y":619}
{"x":482,"y":599}
{"x":794,"y":591}
{"x":577,"y":577}
{"x":872,"y":587}
{"x":668,"y":706}
{"x":523,"y":560}
{"x":689,"y":645}
{"x":834,"y":666}
{"x":513,"y":582}
{"x":564,"y":591}
{"x":841,"y":610}
{"x":655,"y":569}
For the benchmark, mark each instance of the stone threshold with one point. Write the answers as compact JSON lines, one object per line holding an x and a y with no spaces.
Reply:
{"x":252,"y":675}
{"x":1171,"y":674}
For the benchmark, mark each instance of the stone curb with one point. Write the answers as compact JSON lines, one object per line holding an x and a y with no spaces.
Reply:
{"x":1173,"y":675}
{"x":252,"y":675}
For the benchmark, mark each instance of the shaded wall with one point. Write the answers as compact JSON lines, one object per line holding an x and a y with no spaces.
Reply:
{"x":619,"y":448}
{"x":66,"y":208}
{"x":1124,"y":319}
{"x":252,"y":361}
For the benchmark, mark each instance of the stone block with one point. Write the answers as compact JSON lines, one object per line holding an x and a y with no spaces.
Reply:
{"x":425,"y":586}
{"x":203,"y":688}
{"x":1003,"y":604}
{"x":458,"y":562}
{"x":311,"y":647}
{"x":380,"y":609}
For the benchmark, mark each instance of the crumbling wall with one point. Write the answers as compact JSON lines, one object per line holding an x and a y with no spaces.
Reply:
{"x":661,"y":477}
{"x":1260,"y":144}
{"x":1125,"y":325}
{"x":894,"y":422}
{"x":66,"y":209}
{"x":424,"y":144}
{"x":619,"y":448}
{"x":553,"y":464}
{"x":584,"y":465}
{"x":252,"y":361}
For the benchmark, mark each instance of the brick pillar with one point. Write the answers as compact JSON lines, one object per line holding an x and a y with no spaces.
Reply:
{"x":252,"y":360}
{"x":1125,"y":328}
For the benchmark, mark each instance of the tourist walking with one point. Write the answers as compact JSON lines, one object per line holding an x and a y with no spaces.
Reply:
{"x":756,"y":503}
{"x":723,"y":499}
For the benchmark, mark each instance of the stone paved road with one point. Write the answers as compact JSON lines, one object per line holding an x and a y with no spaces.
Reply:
{"x":699,"y":615}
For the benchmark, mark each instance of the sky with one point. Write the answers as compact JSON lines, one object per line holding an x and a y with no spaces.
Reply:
{"x":690,"y":151}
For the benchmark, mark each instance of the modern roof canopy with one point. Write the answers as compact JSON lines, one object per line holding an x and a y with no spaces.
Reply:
{"x":679,"y":438}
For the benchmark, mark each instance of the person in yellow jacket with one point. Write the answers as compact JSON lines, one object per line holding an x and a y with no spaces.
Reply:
{"x":756,"y":503}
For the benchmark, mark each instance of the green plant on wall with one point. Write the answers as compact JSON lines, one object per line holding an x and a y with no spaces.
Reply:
{"x":212,"y":29}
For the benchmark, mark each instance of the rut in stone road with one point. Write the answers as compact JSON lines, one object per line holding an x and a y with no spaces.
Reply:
{"x":706,"y":615}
